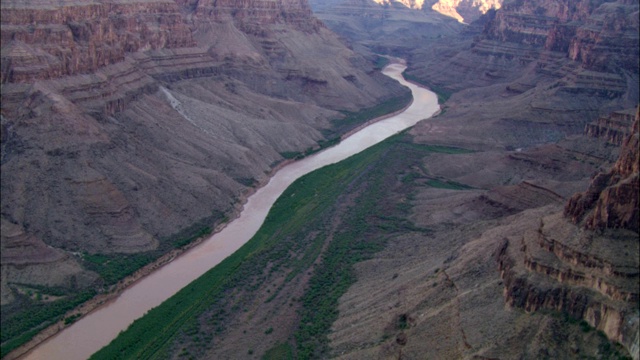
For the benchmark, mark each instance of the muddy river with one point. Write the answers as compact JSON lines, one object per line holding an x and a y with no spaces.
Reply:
{"x":97,"y":329}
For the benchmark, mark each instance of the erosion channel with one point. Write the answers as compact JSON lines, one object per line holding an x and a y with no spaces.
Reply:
{"x":98,"y":328}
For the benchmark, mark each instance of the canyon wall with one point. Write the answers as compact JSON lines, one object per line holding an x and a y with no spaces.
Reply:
{"x":612,"y":198}
{"x":561,"y":63}
{"x":387,"y":26}
{"x":584,"y":262}
{"x":552,"y":86}
{"x":552,"y":67}
{"x":600,"y":35}
{"x":466,"y":10}
{"x":129,"y":125}
{"x":613,"y":128}
{"x":40,"y":41}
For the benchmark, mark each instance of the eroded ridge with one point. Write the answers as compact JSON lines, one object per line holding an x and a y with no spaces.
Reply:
{"x":584,"y":262}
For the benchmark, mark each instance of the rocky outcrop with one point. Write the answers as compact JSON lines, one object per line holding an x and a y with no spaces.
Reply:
{"x":612,"y":199}
{"x":26,"y":259}
{"x":384,"y":26}
{"x":516,"y":198}
{"x":589,"y":275}
{"x":20,"y":248}
{"x":608,"y":40}
{"x":519,"y":68}
{"x":466,"y":10}
{"x":601,"y":36}
{"x":576,"y":272}
{"x":527,"y":52}
{"x":613,"y":129}
{"x":251,"y":16}
{"x":532,"y":73}
{"x":461,"y":10}
{"x":41,"y":41}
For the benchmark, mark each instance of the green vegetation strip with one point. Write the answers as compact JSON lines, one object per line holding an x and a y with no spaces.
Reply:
{"x":22,"y":324}
{"x":353,"y":119}
{"x":445,"y":184}
{"x":381,"y":62}
{"x":279,"y":352}
{"x":17,"y":330}
{"x":443,"y":94}
{"x":147,"y":335}
{"x":22,"y":321}
{"x":302,"y":208}
{"x":350,"y":121}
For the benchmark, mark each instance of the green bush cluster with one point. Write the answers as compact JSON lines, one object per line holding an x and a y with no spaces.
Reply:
{"x":20,"y":327}
{"x":442,"y":93}
{"x":279,"y":352}
{"x":381,"y":62}
{"x":114,"y":267}
{"x":352,"y":119}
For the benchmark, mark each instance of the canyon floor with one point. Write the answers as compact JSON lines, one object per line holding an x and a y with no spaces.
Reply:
{"x":506,"y":227}
{"x":430,"y":285}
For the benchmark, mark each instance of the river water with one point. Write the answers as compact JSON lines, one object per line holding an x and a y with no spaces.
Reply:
{"x":98,"y":328}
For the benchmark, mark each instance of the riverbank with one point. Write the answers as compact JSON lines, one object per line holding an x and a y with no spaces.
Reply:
{"x":104,"y":299}
{"x":325,"y":220}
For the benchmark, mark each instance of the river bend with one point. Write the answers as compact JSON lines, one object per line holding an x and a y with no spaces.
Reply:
{"x":97,"y":329}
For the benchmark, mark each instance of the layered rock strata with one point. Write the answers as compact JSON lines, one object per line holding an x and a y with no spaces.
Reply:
{"x":385,"y":26}
{"x":612,"y":200}
{"x":559,"y":267}
{"x":553,"y":57}
{"x":466,"y":10}
{"x":40,"y":41}
{"x":600,"y":35}
{"x":585,"y":263}
{"x":128,"y":124}
{"x":526,"y":81}
{"x":443,"y":295}
{"x":613,"y":128}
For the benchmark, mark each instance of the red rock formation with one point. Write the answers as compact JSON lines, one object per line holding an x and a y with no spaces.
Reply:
{"x":43,"y":42}
{"x":612,"y":199}
{"x":589,"y":275}
{"x":465,"y":10}
{"x":576,"y":272}
{"x":614,"y":128}
{"x":589,"y":47}
{"x":252,"y":15}
{"x":600,"y":35}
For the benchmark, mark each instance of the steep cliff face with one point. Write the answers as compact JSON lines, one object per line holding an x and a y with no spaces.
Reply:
{"x":613,"y":128}
{"x":550,"y":66}
{"x":521,"y":82}
{"x":466,"y":10}
{"x":600,"y":35}
{"x":387,"y":26}
{"x":461,"y":10}
{"x":43,"y":41}
{"x":551,"y":269}
{"x":521,"y":69}
{"x":585,"y":262}
{"x":250,"y":14}
{"x":612,"y":199}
